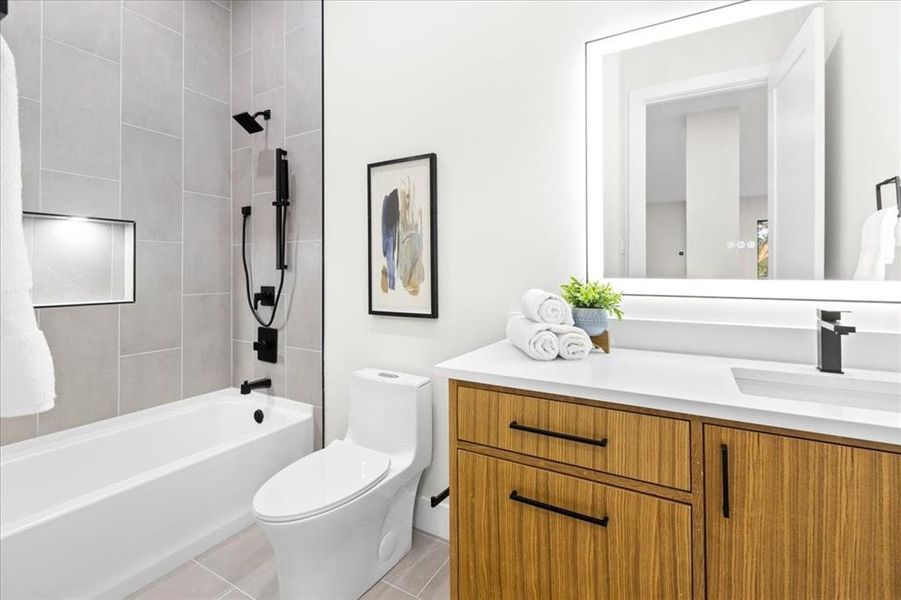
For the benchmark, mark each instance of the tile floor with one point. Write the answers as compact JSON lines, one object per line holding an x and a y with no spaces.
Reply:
{"x":243,"y":567}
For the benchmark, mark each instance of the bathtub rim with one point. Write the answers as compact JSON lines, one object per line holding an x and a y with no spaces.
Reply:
{"x":54,"y":441}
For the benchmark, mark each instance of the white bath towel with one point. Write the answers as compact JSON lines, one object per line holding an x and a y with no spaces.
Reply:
{"x":26,"y":367}
{"x":877,"y":244}
{"x":536,"y":340}
{"x":574,"y":342}
{"x":545,"y":307}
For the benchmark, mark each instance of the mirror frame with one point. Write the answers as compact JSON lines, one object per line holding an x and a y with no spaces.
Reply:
{"x":595,"y":50}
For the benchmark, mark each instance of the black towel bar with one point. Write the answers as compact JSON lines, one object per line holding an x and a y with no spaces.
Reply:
{"x":440,"y":497}
{"x":897,"y":181}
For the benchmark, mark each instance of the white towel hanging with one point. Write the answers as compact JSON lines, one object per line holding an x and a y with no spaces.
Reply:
{"x":26,"y":367}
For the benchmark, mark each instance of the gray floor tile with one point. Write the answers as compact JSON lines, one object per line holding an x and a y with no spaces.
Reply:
{"x":417,"y":568}
{"x":383,"y":591}
{"x":247,"y":561}
{"x":439,"y":587}
{"x":188,"y":582}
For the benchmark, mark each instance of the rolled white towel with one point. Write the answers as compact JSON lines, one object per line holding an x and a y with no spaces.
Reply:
{"x":545,"y":307}
{"x":536,"y":340}
{"x":574,"y":342}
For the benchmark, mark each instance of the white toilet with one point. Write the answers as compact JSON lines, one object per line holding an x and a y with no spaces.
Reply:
{"x":340,"y":518}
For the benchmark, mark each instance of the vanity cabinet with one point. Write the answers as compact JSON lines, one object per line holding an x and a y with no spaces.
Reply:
{"x":533,"y":533}
{"x":561,"y":497}
{"x":795,"y":518}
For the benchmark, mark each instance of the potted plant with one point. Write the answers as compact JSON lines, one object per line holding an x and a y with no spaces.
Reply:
{"x":592,"y":302}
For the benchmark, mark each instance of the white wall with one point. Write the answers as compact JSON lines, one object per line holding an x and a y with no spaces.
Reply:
{"x":496,"y":90}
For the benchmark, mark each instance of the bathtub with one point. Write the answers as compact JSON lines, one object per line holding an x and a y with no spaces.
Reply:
{"x":102,"y":509}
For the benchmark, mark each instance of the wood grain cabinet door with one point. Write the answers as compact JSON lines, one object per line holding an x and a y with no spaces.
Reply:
{"x":788,"y":518}
{"x":527,"y":533}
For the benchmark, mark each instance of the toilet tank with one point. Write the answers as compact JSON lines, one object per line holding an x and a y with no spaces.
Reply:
{"x":391,"y":412}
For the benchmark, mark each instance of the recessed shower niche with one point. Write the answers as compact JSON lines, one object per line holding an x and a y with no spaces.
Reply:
{"x":80,"y":260}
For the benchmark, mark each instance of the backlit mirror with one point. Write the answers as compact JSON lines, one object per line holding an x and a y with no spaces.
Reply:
{"x":746,"y":144}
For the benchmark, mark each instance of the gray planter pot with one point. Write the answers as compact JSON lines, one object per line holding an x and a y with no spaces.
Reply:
{"x":592,"y":320}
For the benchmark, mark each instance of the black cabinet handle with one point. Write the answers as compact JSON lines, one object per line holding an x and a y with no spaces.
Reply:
{"x":724,"y":452}
{"x":514,"y":495}
{"x":556,"y":434}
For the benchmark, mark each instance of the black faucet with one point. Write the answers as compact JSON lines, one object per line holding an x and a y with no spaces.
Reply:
{"x":249,"y":386}
{"x":829,"y":340}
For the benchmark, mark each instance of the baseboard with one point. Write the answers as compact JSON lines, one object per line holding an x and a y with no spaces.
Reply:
{"x":435,"y":521}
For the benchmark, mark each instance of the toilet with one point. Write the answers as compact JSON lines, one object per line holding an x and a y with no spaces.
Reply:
{"x":340,"y":518}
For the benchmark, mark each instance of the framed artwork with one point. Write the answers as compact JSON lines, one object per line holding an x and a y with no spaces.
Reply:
{"x":403,"y":241}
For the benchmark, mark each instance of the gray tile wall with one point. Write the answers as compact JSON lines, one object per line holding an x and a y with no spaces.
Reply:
{"x":125,"y":113}
{"x":276,"y":63}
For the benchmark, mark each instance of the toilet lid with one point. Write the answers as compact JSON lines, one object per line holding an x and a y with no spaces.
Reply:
{"x":320,"y":481}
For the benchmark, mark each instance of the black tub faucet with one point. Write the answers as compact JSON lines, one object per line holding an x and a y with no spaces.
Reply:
{"x":829,"y":339}
{"x":249,"y":386}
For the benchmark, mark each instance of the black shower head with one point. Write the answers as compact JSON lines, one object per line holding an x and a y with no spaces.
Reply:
{"x":249,"y":123}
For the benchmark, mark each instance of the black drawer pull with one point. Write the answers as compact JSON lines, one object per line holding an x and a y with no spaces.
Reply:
{"x":514,"y":495}
{"x":556,"y":434}
{"x":724,"y":452}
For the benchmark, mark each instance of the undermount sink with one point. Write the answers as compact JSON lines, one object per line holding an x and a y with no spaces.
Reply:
{"x":841,"y":390}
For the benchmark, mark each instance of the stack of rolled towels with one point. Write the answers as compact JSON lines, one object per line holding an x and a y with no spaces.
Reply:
{"x":545,"y":329}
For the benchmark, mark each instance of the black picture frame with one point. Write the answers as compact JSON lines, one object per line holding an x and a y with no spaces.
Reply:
{"x":433,"y":235}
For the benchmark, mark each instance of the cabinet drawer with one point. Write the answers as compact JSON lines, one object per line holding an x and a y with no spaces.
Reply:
{"x":643,"y":447}
{"x":527,"y":533}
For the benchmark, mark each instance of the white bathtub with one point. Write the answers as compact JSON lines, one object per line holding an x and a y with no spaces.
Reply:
{"x":100,"y":510}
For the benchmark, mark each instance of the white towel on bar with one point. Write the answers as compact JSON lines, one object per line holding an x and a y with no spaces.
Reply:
{"x":536,"y":340}
{"x":26,"y":367}
{"x":877,"y":244}
{"x":545,"y":307}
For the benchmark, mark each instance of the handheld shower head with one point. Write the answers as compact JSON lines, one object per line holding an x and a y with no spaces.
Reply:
{"x":249,"y":122}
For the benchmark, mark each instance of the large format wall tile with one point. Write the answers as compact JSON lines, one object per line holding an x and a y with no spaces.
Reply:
{"x":153,"y":322}
{"x":244,"y":357}
{"x":304,"y":328}
{"x":242,"y":192}
{"x":301,"y":12}
{"x":83,"y":343}
{"x":268,"y":45}
{"x":149,"y":379}
{"x":30,"y":144}
{"x":266,"y":141}
{"x":80,"y":112}
{"x":70,"y":194}
{"x":207,"y":155}
{"x":152,"y":75}
{"x":207,"y":48}
{"x":304,"y":79}
{"x":23,"y":34}
{"x":207,"y":349}
{"x":240,"y":26}
{"x":208,"y":246}
{"x":263,"y":223}
{"x":90,"y":25}
{"x":241,"y":98}
{"x":165,"y":12}
{"x":305,"y":186}
{"x":151,"y":183}
{"x":243,"y":324}
{"x":16,"y":429}
{"x":304,"y":375}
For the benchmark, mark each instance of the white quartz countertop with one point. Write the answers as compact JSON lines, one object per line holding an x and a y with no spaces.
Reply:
{"x":684,"y":383}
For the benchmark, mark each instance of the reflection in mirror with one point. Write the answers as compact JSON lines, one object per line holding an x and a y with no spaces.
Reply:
{"x":80,"y":260}
{"x":752,"y":150}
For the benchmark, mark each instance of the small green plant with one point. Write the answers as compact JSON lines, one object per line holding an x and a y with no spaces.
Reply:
{"x":593,"y":294}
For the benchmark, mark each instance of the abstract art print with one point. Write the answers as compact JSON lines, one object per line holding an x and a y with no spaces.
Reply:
{"x":403,"y":245}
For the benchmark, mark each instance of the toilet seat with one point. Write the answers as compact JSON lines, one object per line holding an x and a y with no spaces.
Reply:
{"x":319,"y":482}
